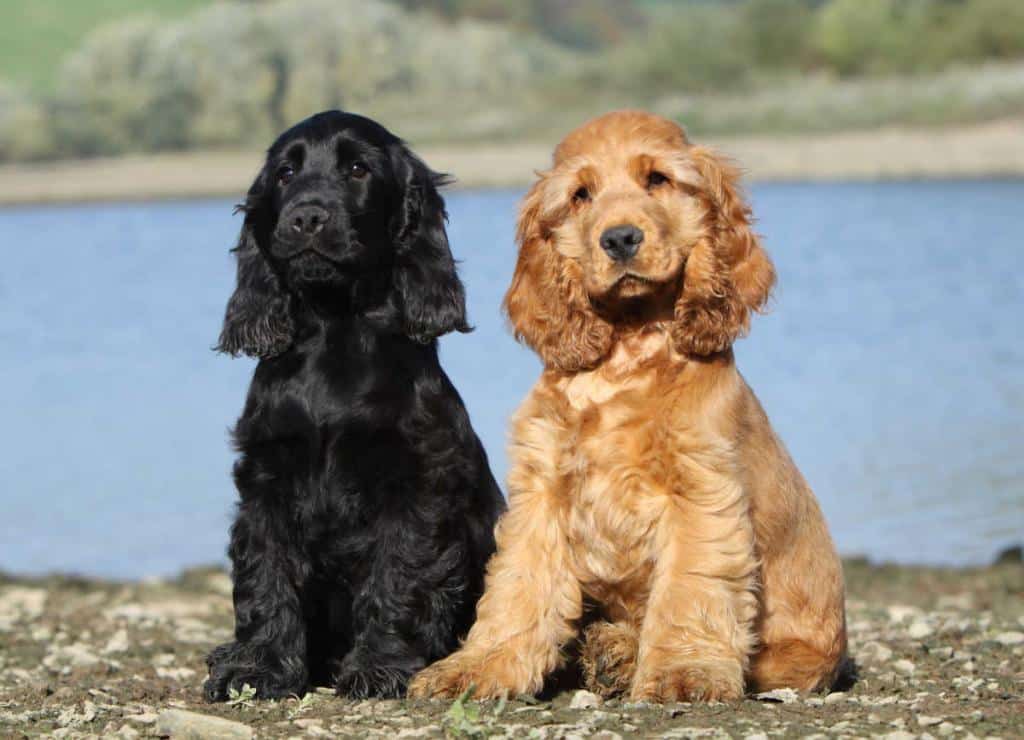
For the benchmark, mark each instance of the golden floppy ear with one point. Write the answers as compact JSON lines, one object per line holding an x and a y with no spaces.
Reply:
{"x":546,"y":303}
{"x":728,"y":275}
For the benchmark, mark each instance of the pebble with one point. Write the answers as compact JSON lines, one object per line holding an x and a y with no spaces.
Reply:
{"x":925,"y":721}
{"x":875,"y":652}
{"x":946,"y":729}
{"x":899,"y":612}
{"x":117,"y":643}
{"x":785,"y":696}
{"x":1010,"y":638}
{"x":904,"y":666}
{"x":919,"y":629}
{"x":583,"y":699}
{"x":177,"y":723}
{"x":835,"y":697}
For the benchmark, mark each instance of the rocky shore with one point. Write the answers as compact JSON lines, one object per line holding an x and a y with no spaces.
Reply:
{"x":940,"y":653}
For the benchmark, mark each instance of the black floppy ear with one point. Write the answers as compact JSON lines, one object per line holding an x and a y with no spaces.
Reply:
{"x":258,"y":320}
{"x":432,"y":299}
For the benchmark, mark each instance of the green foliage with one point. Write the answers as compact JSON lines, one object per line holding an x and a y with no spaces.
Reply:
{"x":584,"y":24}
{"x":692,"y":47}
{"x":36,"y":34}
{"x":194,"y":74}
{"x":236,"y":75}
{"x":242,"y":698}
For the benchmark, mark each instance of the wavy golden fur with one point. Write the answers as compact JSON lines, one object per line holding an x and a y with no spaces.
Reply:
{"x":646,"y":476}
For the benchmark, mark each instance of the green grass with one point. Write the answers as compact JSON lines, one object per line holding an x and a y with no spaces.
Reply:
{"x":36,"y":34}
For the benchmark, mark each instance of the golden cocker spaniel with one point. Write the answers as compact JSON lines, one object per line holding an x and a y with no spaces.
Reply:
{"x":646,"y":476}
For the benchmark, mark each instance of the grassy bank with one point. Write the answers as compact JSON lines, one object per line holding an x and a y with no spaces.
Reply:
{"x":940,"y":653}
{"x":992,"y":149}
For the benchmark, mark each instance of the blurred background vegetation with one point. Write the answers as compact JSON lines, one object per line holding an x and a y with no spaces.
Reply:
{"x":109,"y":77}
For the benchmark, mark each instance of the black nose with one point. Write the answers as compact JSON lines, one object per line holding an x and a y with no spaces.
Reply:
{"x":308,"y":220}
{"x":621,"y":242}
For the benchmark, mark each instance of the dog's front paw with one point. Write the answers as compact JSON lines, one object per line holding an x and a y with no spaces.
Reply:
{"x":489,"y":678}
{"x":608,"y":658}
{"x":696,"y":682}
{"x":361,"y":677}
{"x":234,"y":666}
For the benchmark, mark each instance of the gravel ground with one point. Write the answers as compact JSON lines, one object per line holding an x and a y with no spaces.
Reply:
{"x":940,"y":654}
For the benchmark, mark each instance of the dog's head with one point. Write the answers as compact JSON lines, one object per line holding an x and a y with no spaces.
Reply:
{"x":342,"y":217}
{"x":633,"y":224}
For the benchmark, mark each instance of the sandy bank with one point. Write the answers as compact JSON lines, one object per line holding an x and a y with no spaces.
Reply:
{"x":994,"y":149}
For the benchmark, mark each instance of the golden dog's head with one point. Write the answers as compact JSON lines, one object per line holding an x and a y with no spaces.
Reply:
{"x":633,"y":224}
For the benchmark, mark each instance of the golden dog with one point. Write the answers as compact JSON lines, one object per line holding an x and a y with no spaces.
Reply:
{"x":646,"y":476}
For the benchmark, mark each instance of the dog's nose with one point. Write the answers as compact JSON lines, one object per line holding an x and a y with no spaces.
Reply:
{"x":308,"y":220}
{"x":621,"y":242}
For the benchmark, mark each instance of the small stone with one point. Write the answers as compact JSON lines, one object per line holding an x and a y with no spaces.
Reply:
{"x":900,"y":612}
{"x":177,"y":723}
{"x":127,"y":732}
{"x":925,"y":721}
{"x":875,"y":652}
{"x":305,"y":724}
{"x":835,"y":697}
{"x":146,"y":718}
{"x":919,"y":629}
{"x":117,"y":643}
{"x":946,"y":729}
{"x":942,"y":653}
{"x":783,"y":696}
{"x":1010,"y":638}
{"x":756,"y":736}
{"x":584,"y":700}
{"x":899,"y":735}
{"x":964,"y":601}
{"x":905,"y":667}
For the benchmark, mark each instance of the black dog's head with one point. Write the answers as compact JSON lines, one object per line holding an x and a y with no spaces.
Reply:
{"x":343,"y":217}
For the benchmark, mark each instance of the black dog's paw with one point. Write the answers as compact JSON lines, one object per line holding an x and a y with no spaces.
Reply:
{"x":359,"y":677}
{"x":234,"y":665}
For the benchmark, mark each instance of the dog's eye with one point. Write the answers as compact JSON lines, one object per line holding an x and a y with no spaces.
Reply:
{"x":358,"y":170}
{"x":285,"y":173}
{"x":582,"y":195}
{"x":655,"y":179}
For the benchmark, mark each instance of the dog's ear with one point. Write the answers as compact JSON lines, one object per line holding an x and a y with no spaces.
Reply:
{"x":546,"y":303}
{"x":258,"y":320}
{"x":728,"y":275}
{"x":431,"y":299}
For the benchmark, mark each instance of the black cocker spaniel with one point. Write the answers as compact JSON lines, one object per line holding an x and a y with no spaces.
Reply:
{"x":367,"y":505}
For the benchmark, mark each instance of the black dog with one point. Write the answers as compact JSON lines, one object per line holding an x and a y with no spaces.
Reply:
{"x":367,"y":504}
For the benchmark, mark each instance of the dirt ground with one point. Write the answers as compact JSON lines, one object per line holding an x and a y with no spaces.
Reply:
{"x":940,"y":654}
{"x":991,"y":149}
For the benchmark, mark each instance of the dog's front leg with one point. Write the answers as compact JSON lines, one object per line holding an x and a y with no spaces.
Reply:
{"x":527,"y":613}
{"x":269,"y":651}
{"x":531,"y":597}
{"x":697,"y":633}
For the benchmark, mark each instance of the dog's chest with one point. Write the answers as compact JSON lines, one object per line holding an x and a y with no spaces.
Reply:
{"x":613,"y":465}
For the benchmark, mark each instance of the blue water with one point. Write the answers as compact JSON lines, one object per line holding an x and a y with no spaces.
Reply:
{"x":890,"y":364}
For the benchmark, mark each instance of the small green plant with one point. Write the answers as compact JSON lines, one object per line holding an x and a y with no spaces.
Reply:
{"x":243,"y":698}
{"x":301,"y":705}
{"x":463,"y":718}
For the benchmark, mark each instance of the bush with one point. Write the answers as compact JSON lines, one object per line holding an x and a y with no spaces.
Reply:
{"x":25,"y":131}
{"x":235,"y":75}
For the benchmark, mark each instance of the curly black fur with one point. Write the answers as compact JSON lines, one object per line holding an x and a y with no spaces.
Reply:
{"x":367,"y":504}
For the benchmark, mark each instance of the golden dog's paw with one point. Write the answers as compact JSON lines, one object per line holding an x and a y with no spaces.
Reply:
{"x":456,"y":674}
{"x":696,"y":682}
{"x":608,"y":658}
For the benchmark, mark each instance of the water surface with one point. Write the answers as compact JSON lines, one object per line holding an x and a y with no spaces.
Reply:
{"x":890,"y":364}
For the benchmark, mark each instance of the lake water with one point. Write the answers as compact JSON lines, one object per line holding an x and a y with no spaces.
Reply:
{"x":890,"y":364}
